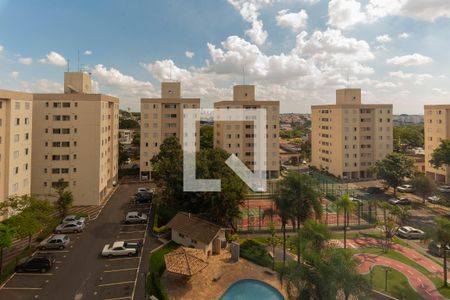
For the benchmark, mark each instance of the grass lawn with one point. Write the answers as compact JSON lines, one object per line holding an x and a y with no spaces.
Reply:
{"x":398,"y":285}
{"x":156,"y":267}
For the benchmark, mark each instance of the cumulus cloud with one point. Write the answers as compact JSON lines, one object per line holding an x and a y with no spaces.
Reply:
{"x":189,"y":54}
{"x":47,"y":86}
{"x":2,"y":49}
{"x":54,"y":58}
{"x":249,"y":10}
{"x":14,"y":75}
{"x":87,"y":52}
{"x":345,"y":13}
{"x":439,"y":91}
{"x":417,"y":78}
{"x":404,"y":35}
{"x":410,"y":60}
{"x":25,"y":60}
{"x":428,"y":10}
{"x":384,"y":39}
{"x":295,"y":21}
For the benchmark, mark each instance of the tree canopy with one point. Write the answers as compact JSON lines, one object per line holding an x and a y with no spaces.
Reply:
{"x":441,"y":155}
{"x":128,"y":124}
{"x":393,"y":169}
{"x":410,"y":136}
{"x":206,"y":137}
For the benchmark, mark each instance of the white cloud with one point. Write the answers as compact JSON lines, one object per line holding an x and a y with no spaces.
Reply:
{"x":384,"y":39}
{"x":404,"y":35}
{"x":14,"y":75}
{"x":343,"y":14}
{"x":439,"y":91}
{"x":295,"y":21}
{"x":54,"y":58}
{"x":249,"y":10}
{"x":189,"y":54}
{"x":47,"y":86}
{"x":2,"y":49}
{"x":410,"y":60}
{"x":428,"y":10}
{"x":87,"y":52}
{"x":417,"y":78}
{"x":25,"y":60}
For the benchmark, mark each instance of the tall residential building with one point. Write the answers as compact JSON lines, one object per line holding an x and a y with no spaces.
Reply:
{"x":348,"y":137}
{"x":15,"y":143}
{"x":437,"y":128}
{"x":161,"y":118}
{"x":238,"y":136}
{"x":75,"y":138}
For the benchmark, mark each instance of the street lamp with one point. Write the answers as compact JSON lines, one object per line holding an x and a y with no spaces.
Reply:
{"x":386,"y":271}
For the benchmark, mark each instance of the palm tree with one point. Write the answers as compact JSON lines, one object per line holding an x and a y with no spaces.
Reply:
{"x":346,"y":205}
{"x":316,"y":234}
{"x":283,"y":206}
{"x":443,"y":238}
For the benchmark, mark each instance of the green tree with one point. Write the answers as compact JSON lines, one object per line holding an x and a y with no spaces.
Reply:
{"x":441,"y":155}
{"x":394,"y":216}
{"x":136,"y":139}
{"x":315,"y":235}
{"x":442,"y":235}
{"x":393,"y":169}
{"x":128,"y":124}
{"x":346,"y":205}
{"x":409,"y":135}
{"x":65,"y":197}
{"x":6,"y":235}
{"x":273,"y":241}
{"x":424,"y":185}
{"x":206,"y":137}
{"x":284,"y":203}
{"x":123,"y":155}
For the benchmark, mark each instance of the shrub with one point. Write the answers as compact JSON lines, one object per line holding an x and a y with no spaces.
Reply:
{"x":255,"y":252}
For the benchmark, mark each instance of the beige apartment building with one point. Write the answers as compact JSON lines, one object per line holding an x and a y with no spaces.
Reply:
{"x":437,"y":128}
{"x":15,"y":143}
{"x":348,"y":137}
{"x":75,"y":138}
{"x":238,"y":136}
{"x":161,"y":118}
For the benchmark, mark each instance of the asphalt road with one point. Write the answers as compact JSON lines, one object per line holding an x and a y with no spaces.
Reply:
{"x":80,"y":272}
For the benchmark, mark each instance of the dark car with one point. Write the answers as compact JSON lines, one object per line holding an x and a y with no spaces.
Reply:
{"x":38,"y":263}
{"x":374,"y":190}
{"x":436,"y":249}
{"x":143,"y":197}
{"x":138,"y":245}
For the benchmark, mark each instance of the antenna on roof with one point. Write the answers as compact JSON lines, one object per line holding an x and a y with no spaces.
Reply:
{"x":68,"y":65}
{"x":78,"y":60}
{"x":170,"y":74}
{"x":243,"y":74}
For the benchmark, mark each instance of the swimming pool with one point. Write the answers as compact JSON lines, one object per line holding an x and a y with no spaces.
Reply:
{"x":249,"y":289}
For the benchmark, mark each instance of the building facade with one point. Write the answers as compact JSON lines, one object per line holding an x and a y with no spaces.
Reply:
{"x":76,"y":140}
{"x":238,"y":136}
{"x":16,"y":114}
{"x":126,"y":136}
{"x":348,"y":137}
{"x":437,"y":128}
{"x":161,"y":118}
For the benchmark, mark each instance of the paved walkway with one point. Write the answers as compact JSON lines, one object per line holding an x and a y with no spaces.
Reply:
{"x":417,"y":280}
{"x":430,"y":265}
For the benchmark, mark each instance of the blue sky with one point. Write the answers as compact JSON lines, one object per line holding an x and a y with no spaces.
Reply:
{"x":295,"y":51}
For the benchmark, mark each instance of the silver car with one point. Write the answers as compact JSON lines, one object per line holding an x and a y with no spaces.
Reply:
{"x":410,"y":232}
{"x":56,"y":241}
{"x":73,"y":218}
{"x":70,"y":227}
{"x":135,"y":217}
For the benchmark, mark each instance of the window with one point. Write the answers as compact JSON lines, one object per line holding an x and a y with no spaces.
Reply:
{"x":55,"y":171}
{"x":66,"y":104}
{"x":27,"y":136}
{"x":56,"y":130}
{"x":16,"y":138}
{"x":17,"y":121}
{"x":17,"y":105}
{"x":56,"y":104}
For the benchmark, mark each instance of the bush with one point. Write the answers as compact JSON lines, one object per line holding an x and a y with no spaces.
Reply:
{"x":156,"y":269}
{"x":255,"y":252}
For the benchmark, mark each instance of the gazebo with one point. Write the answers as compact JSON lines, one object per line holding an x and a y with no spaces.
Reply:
{"x":185,"y":261}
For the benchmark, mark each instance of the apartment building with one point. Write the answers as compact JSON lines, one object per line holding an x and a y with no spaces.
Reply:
{"x":161,"y":118}
{"x":238,"y":137}
{"x":75,"y":138}
{"x":348,"y":137}
{"x":437,"y":128}
{"x":15,"y":143}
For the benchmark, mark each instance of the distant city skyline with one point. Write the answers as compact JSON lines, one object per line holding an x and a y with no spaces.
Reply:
{"x":297,"y":52}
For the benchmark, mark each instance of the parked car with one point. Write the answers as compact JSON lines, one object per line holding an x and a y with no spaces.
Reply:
{"x":400,"y":201}
{"x":410,"y":232}
{"x":444,"y":188}
{"x":143,"y":197}
{"x":38,"y":263}
{"x":120,"y":248}
{"x":406,"y":188}
{"x":436,"y":249}
{"x":142,"y":190}
{"x":434,"y":199}
{"x":70,"y":227}
{"x":374,"y":190}
{"x":73,"y":218}
{"x":357,"y":201}
{"x":135,"y":217}
{"x":56,"y":241}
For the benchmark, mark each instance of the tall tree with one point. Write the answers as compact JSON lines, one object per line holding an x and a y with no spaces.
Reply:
{"x":443,"y":238}
{"x":65,"y":198}
{"x":284,"y":203}
{"x":273,"y":241}
{"x":394,"y":216}
{"x":315,"y":235}
{"x":393,"y":169}
{"x":424,"y":185}
{"x":6,"y":235}
{"x":206,"y":137}
{"x":128,"y":124}
{"x":441,"y":155}
{"x":347,"y":206}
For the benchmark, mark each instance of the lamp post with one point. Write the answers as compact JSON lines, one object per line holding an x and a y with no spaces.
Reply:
{"x":386,"y":271}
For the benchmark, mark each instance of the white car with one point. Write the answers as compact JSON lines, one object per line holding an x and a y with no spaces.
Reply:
{"x":70,"y":227}
{"x":444,"y":188}
{"x":135,"y":217}
{"x":120,"y":248}
{"x":406,"y":188}
{"x":73,"y":218}
{"x":143,"y":189}
{"x":356,"y":201}
{"x":410,"y":232}
{"x":434,"y":199}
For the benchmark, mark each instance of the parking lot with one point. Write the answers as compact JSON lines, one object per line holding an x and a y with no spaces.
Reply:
{"x":80,"y":272}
